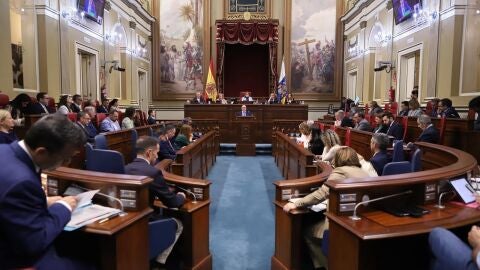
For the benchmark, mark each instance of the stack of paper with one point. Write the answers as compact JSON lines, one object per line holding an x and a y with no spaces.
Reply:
{"x":317,"y":207}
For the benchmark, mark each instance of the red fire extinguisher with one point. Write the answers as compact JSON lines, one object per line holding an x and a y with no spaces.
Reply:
{"x":391,"y":94}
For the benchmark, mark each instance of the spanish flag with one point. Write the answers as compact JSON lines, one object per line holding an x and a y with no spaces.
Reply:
{"x":210,"y":86}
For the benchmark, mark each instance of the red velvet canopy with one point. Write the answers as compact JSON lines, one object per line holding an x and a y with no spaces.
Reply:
{"x":248,"y":33}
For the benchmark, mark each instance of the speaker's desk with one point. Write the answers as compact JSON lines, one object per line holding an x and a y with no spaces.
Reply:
{"x":264,"y":115}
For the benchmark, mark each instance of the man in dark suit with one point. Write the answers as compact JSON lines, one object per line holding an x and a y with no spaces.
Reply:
{"x":29,"y":221}
{"x":77,"y":103}
{"x":244,"y":111}
{"x":429,"y":132}
{"x":198,"y":99}
{"x":91,"y":126}
{"x":380,"y":158}
{"x":41,"y":106}
{"x":103,"y":108}
{"x":342,"y":121}
{"x":394,"y":128}
{"x":83,"y":119}
{"x":167,"y":151}
{"x":445,"y":109}
{"x":147,"y":148}
{"x":474,"y":104}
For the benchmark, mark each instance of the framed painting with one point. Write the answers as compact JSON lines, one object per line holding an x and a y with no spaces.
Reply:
{"x":256,"y":9}
{"x":184,"y":48}
{"x":313,"y":60}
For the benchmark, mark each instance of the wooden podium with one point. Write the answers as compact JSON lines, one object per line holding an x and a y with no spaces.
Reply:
{"x":246,"y":127}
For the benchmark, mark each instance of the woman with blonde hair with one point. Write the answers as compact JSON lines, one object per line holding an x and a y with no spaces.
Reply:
{"x":415,"y":109}
{"x":331,"y":143}
{"x":306,"y":134}
{"x":347,"y":166}
{"x":184,"y":136}
{"x":7,"y":135}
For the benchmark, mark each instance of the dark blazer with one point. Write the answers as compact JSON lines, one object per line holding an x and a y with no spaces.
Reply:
{"x":249,"y":113}
{"x":380,"y":129}
{"x":75,"y":108}
{"x":28,"y":226}
{"x":196,"y":101}
{"x":7,"y":138}
{"x":364,"y":125}
{"x":450,"y":113}
{"x":151,"y":120}
{"x":166,"y":151}
{"x":36,"y":108}
{"x":102,"y":109}
{"x":158,"y":188}
{"x":403,"y":113}
{"x":347,"y":122}
{"x":88,"y":132}
{"x":430,"y":135}
{"x":379,"y":161}
{"x":395,"y":130}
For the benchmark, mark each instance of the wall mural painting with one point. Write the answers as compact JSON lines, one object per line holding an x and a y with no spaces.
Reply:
{"x":17,"y":66}
{"x":312,"y":50}
{"x":181,"y":46}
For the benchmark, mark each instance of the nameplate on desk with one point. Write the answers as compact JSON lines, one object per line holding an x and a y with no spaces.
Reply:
{"x":128,"y":194}
{"x":351,"y":197}
{"x":129,"y":203}
{"x":347,"y":207}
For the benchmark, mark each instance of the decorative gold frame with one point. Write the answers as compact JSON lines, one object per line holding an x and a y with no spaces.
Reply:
{"x":252,"y":15}
{"x":338,"y":73}
{"x":206,"y":59}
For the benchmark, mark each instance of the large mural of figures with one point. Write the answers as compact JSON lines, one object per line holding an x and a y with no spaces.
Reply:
{"x":181,"y":46}
{"x":312,"y":48}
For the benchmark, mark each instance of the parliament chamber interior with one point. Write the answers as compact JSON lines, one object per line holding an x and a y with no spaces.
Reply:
{"x":239,"y":134}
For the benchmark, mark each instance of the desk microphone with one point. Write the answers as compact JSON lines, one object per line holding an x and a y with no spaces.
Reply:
{"x":355,"y":217}
{"x":187,"y":191}
{"x":440,"y":205}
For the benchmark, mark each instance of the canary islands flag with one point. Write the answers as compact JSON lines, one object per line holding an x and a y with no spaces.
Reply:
{"x":282,"y":84}
{"x":210,"y":86}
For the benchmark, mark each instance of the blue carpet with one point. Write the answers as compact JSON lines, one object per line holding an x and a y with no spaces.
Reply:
{"x":242,"y":228}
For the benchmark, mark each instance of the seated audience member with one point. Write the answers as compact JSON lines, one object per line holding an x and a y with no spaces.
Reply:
{"x":331,"y":143}
{"x":429,"y":133}
{"x":30,"y":222}
{"x":147,"y":148}
{"x":41,"y":106}
{"x":198,"y":99}
{"x":415,"y":110}
{"x":289,"y":99}
{"x":103,"y":108}
{"x":361,"y":123}
{"x":434,"y":112}
{"x":341,"y":120}
{"x":445,"y":109}
{"x":272,"y":99}
{"x":83,"y":119}
{"x":247,"y":97}
{"x":151,"y":118}
{"x":354,"y":108}
{"x":167,"y":151}
{"x":110,"y":123}
{"x":306,"y":134}
{"x":7,"y":135}
{"x":113,"y":104}
{"x":65,"y":104}
{"x":77,"y":103}
{"x":18,"y":107}
{"x":221,"y":99}
{"x":449,"y":252}
{"x":316,"y":144}
{"x":404,"y":109}
{"x":244,"y":111}
{"x":380,"y":127}
{"x":394,"y":128}
{"x":379,"y":144}
{"x":347,"y":166}
{"x":184,"y":137}
{"x":91,"y":127}
{"x":414,"y":93}
{"x":474,"y":104}
{"x":374,"y":108}
{"x":127,"y":122}
{"x":89,"y":102}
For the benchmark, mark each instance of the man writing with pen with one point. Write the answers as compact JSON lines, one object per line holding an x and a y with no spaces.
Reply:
{"x":147,"y":149}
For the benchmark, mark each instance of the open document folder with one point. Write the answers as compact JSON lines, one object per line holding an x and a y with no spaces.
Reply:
{"x":87,"y":213}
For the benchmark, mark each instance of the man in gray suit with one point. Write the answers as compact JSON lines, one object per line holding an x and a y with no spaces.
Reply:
{"x":360,"y":122}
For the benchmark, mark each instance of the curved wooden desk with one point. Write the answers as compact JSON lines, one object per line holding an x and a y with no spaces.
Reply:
{"x":379,"y":240}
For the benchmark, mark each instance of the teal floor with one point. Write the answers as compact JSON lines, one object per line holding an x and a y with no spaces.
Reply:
{"x":242,"y":224}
